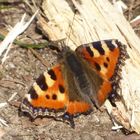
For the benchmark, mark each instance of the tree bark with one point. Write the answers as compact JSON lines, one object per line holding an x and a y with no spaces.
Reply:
{"x":99,"y":20}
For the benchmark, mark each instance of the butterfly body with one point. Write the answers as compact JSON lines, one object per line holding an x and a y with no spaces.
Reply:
{"x":81,"y":81}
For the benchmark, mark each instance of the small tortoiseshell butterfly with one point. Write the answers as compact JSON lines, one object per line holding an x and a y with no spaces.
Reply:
{"x":83,"y":79}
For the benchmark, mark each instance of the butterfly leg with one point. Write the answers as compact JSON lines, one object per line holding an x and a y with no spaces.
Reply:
{"x":113,"y":97}
{"x":67,"y":118}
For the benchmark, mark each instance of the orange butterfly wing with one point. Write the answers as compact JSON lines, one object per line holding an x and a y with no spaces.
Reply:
{"x":106,"y":57}
{"x":103,"y":56}
{"x":48,"y":95}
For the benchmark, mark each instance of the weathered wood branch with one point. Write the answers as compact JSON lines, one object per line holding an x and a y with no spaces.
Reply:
{"x":99,"y":20}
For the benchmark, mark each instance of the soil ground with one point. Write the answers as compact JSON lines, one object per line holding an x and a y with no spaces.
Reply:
{"x":16,"y":77}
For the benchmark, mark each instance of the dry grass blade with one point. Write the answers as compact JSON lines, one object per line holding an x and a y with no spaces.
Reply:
{"x":11,"y":36}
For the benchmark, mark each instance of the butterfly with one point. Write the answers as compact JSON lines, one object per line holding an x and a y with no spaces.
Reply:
{"x":81,"y":81}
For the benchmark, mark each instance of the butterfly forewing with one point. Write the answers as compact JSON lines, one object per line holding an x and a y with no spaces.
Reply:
{"x":47,"y":93}
{"x":102,"y":56}
{"x":50,"y":94}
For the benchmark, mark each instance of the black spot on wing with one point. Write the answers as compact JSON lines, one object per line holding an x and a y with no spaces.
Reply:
{"x":90,"y":51}
{"x":98,"y":46}
{"x":110,"y":45}
{"x":105,"y":65}
{"x":54,"y":97}
{"x":107,"y":58}
{"x":47,"y":96}
{"x":97,"y":66}
{"x":42,"y":82}
{"x":33,"y":93}
{"x":61,"y":89}
{"x":52,"y":74}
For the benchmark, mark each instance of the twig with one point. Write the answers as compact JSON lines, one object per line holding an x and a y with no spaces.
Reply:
{"x":135,"y":21}
{"x":15,"y":81}
{"x":3,"y":123}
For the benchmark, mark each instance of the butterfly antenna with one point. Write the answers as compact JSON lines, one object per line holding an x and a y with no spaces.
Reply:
{"x":70,"y":30}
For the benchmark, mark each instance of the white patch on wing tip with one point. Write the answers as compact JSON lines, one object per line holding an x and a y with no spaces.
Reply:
{"x":114,"y":43}
{"x":28,"y":97}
